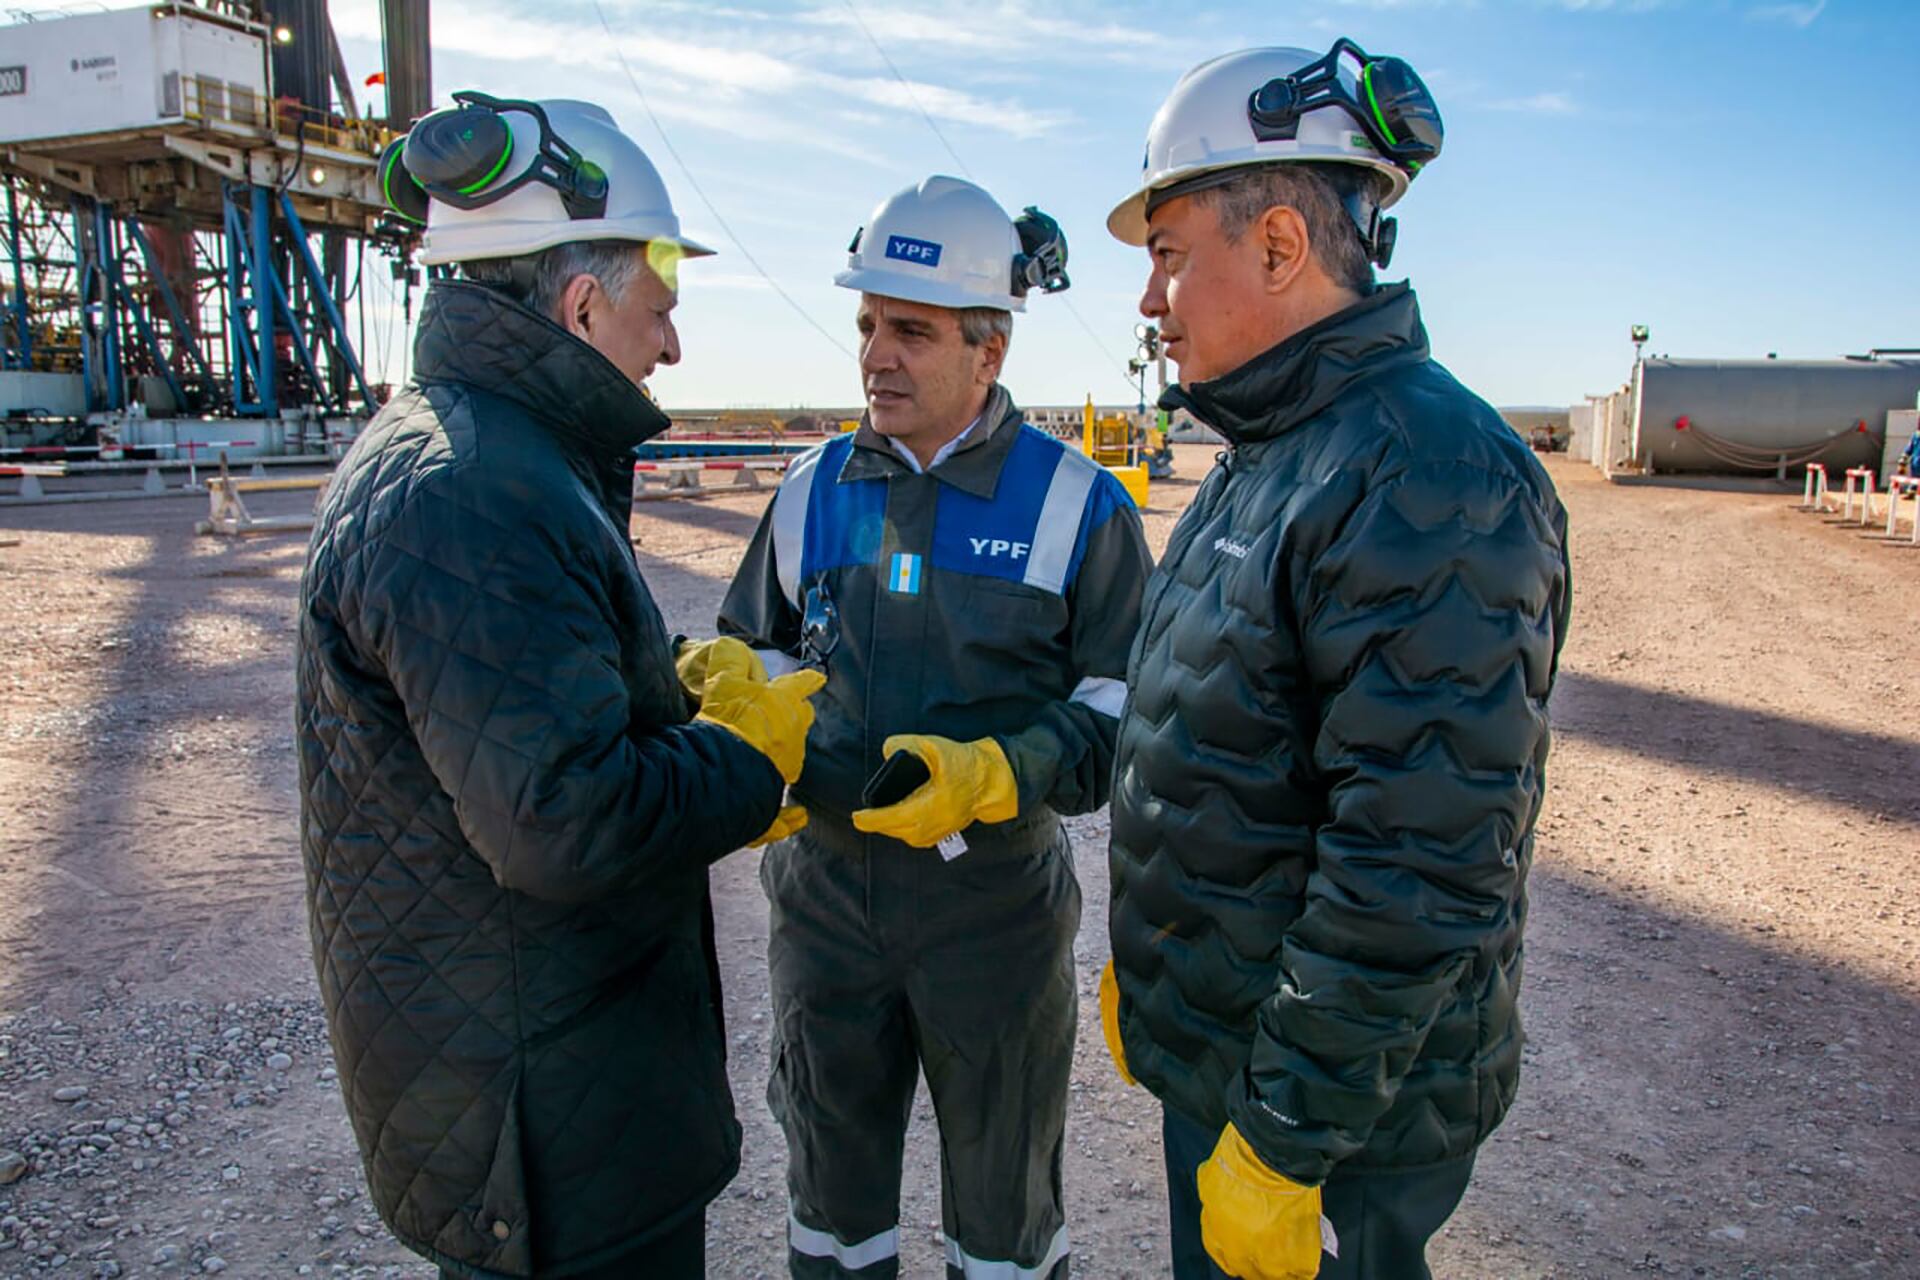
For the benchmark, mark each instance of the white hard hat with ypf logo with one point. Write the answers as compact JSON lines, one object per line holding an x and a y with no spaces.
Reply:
{"x":499,"y":178}
{"x":947,"y":243}
{"x":1274,"y":106}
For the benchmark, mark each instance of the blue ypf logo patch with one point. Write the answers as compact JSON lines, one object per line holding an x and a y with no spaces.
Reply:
{"x":922,"y":253}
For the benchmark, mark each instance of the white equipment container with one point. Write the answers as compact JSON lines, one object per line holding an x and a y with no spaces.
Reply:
{"x":129,"y":69}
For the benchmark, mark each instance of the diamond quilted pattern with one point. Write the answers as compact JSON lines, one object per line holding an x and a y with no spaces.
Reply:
{"x":505,"y":816}
{"x":1334,"y":754}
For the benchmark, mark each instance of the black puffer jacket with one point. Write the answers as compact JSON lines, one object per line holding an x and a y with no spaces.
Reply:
{"x":1332,"y":755}
{"x":506,"y":816}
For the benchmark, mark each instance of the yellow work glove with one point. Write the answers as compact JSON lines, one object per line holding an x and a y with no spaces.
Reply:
{"x":695,"y":660}
{"x":772,"y":716}
{"x":790,"y":819}
{"x":1110,"y":1021}
{"x":1256,"y":1224}
{"x":972,"y":782}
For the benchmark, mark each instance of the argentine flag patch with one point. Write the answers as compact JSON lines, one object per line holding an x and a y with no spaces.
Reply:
{"x":904,"y":574}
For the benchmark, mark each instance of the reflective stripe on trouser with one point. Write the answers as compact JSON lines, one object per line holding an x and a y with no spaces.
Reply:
{"x":889,"y":965}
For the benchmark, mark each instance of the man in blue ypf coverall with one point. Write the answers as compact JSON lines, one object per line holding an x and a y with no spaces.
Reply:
{"x":970,"y":587}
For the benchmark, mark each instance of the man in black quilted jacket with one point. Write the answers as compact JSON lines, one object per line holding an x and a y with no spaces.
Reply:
{"x":1332,"y":754}
{"x":508,"y":803}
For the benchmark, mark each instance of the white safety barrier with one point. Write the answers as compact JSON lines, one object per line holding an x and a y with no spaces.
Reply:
{"x":228,"y":513}
{"x":30,"y":474}
{"x":1816,"y":495}
{"x":1863,"y":477}
{"x":1895,"y":487}
{"x":682,"y":479}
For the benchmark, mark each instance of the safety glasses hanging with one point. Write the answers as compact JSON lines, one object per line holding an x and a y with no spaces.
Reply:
{"x":1042,"y":261}
{"x":819,"y":626}
{"x":1390,"y":104}
{"x":456,"y":155}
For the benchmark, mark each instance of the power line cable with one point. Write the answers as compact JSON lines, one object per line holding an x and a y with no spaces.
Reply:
{"x":908,"y":86}
{"x":700,"y":191}
{"x":968,"y":173}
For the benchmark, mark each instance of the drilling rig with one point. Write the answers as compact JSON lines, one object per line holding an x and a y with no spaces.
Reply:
{"x":193,"y":225}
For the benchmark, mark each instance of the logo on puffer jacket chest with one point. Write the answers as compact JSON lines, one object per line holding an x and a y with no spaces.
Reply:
{"x":1238,"y":550}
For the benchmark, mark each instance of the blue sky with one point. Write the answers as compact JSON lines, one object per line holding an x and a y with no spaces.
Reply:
{"x":1741,"y":175}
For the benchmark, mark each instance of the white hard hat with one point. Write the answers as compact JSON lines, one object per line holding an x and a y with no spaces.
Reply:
{"x":535,"y":215}
{"x":1205,"y":126}
{"x":947,"y":243}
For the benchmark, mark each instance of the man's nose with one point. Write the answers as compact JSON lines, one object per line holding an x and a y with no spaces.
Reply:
{"x":1153,"y":301}
{"x":670,"y":349}
{"x":877,"y":354}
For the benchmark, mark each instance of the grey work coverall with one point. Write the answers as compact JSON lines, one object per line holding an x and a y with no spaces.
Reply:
{"x":996,"y":595}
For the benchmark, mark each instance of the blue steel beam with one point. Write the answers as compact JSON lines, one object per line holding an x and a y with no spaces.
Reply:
{"x":263,"y":313}
{"x":150,"y":338}
{"x":239,"y":303}
{"x":22,"y":326}
{"x":183,"y":331}
{"x":316,"y":279}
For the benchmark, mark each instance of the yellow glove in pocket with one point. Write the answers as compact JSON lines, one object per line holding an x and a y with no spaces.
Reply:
{"x":771,"y":717}
{"x":1256,"y":1224}
{"x":697,"y":659}
{"x":972,"y":782}
{"x":790,"y":819}
{"x":1110,"y":1021}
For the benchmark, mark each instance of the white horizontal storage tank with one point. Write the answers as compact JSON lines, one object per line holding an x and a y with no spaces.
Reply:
{"x":1756,"y":415}
{"x":126,"y":69}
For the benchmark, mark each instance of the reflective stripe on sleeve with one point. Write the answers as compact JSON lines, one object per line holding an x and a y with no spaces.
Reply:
{"x":819,"y":1244}
{"x":1108,"y":697}
{"x":790,"y":521}
{"x":1059,"y":526}
{"x":779,"y":664}
{"x":981,"y":1269}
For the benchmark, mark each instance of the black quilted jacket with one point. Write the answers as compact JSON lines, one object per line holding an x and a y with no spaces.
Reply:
{"x":1332,"y":755}
{"x":506,"y":817}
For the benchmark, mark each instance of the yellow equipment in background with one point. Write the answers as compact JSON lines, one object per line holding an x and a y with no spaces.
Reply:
{"x":1114,"y":443}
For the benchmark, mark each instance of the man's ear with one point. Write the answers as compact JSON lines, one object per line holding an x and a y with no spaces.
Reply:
{"x":1285,"y":246}
{"x":993,"y":357}
{"x":576,"y":306}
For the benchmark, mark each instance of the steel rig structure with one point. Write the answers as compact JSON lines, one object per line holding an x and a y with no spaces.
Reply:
{"x":190,"y":200}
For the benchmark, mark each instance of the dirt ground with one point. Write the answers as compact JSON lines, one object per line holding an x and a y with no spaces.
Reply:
{"x":1722,"y":996}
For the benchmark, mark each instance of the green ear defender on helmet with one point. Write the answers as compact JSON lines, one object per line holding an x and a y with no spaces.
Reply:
{"x":402,"y":193}
{"x":457,"y":155}
{"x":461,"y":150}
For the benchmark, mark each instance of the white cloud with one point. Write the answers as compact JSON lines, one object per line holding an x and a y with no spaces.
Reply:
{"x":733,"y":86}
{"x":1553,"y":103}
{"x":1003,"y":30}
{"x":1794,"y":15}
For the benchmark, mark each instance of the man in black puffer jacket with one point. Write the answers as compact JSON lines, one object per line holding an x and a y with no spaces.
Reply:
{"x":508,"y":805}
{"x":1332,"y":754}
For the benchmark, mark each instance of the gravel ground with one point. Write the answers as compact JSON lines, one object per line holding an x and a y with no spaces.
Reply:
{"x":1723,"y":995}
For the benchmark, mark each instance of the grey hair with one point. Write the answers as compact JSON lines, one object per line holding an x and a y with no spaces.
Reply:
{"x":977,"y":324}
{"x":1319,"y":193}
{"x":616,"y":264}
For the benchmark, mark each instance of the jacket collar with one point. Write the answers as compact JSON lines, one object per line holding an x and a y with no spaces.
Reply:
{"x":474,"y":335}
{"x":1288,"y":384}
{"x":972,"y":468}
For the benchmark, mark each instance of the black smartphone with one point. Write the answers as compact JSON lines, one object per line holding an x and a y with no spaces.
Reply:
{"x":894,"y":781}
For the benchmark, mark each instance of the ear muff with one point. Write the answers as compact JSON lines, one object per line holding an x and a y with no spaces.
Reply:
{"x":1042,"y":261}
{"x":464,"y":149}
{"x":1402,"y":110}
{"x":402,"y":194}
